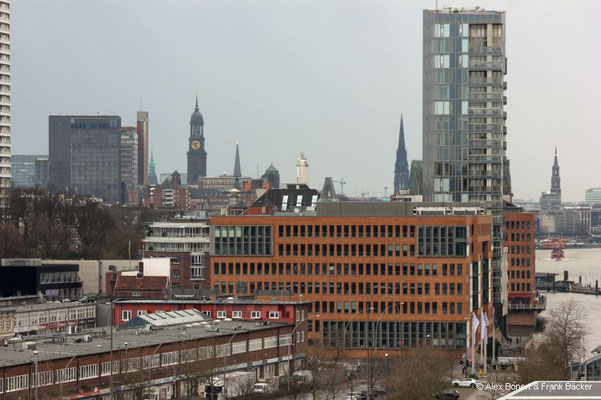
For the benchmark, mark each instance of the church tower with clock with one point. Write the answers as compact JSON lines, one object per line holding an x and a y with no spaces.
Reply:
{"x":197,"y":155}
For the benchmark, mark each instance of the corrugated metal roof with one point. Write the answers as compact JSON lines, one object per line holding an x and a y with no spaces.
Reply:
{"x":171,"y":318}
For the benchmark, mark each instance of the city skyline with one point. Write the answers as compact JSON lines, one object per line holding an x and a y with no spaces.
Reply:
{"x":294,"y":86}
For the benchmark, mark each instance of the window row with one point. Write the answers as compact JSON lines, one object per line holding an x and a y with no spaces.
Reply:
{"x":346,"y":250}
{"x":341,"y":288}
{"x":382,"y":307}
{"x":520,"y":261}
{"x":517,"y":224}
{"x":523,"y":287}
{"x":339,"y":269}
{"x":352,"y":231}
{"x":519,"y":274}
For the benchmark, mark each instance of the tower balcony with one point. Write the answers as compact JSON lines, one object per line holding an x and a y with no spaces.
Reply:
{"x":486,"y":65}
{"x":485,"y":50}
{"x":485,"y":97}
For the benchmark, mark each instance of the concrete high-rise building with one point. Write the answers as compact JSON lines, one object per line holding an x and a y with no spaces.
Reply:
{"x":41,"y":172}
{"x":401,"y":167}
{"x":129,"y":157}
{"x":553,"y":197}
{"x":197,"y":155}
{"x":85,"y":155}
{"x":142,"y":128}
{"x":4,"y":101}
{"x":23,"y":170}
{"x":463,"y":118}
{"x":302,"y":170}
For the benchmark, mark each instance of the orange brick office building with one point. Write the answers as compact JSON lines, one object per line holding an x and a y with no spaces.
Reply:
{"x":519,"y":228}
{"x":384,"y":275}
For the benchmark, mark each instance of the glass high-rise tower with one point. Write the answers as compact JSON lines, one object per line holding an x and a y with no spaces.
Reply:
{"x":4,"y":101}
{"x":463,"y":118}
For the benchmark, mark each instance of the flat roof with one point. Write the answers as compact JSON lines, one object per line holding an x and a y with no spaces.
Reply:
{"x":56,"y":347}
{"x":218,"y":301}
{"x":19,"y":308}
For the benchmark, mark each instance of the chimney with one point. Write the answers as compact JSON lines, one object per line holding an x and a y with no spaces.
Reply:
{"x":140,"y":273}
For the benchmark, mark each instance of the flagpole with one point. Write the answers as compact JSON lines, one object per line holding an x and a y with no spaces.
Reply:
{"x":482,"y":335}
{"x":474,"y":328}
{"x":494,"y":355}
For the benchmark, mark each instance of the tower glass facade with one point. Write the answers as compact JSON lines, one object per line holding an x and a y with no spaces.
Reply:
{"x":463,"y":118}
{"x":4,"y":101}
{"x":142,"y":140}
{"x":85,"y":155}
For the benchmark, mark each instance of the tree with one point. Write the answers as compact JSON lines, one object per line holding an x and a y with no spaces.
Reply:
{"x":11,"y":243}
{"x":418,"y":373}
{"x":561,"y":344}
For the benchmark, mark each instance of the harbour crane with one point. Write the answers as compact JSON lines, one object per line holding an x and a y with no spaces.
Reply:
{"x":342,"y":182}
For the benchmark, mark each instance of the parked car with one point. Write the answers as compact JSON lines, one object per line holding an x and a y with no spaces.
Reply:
{"x":378,"y":390}
{"x":262,"y":387}
{"x":447,"y":394}
{"x":466,"y":382}
{"x":359,"y":395}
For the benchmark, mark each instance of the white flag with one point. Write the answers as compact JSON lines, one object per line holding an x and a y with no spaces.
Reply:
{"x":483,"y":330}
{"x":475,"y":323}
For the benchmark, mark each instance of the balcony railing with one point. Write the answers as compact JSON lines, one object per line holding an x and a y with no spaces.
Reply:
{"x":486,"y":65}
{"x":485,"y":50}
{"x":486,"y":81}
{"x":485,"y":112}
{"x":485,"y":96}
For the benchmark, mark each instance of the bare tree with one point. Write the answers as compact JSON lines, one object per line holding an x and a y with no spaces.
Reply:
{"x":418,"y":373}
{"x":561,"y":344}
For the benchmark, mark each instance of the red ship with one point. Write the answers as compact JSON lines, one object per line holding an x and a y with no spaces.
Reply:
{"x":557,"y":254}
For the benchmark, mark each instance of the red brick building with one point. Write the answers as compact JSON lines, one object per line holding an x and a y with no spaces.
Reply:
{"x":148,"y":287}
{"x":245,"y":310}
{"x":520,"y":228}
{"x":384,"y":275}
{"x":173,"y":361}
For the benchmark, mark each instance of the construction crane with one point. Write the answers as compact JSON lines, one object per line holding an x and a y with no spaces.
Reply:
{"x":342,"y":182}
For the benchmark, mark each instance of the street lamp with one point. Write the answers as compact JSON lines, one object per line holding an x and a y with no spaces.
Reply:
{"x":35,"y":376}
{"x":289,"y":346}
{"x":228,"y":350}
{"x":349,"y":322}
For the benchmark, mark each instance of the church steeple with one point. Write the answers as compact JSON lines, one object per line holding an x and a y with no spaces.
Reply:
{"x":237,"y":168}
{"x":555,"y":180}
{"x":197,"y":154}
{"x":401,"y":166}
{"x":152,"y":173}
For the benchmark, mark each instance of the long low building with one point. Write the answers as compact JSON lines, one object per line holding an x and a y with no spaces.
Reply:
{"x":174,"y":353}
{"x":47,"y":317}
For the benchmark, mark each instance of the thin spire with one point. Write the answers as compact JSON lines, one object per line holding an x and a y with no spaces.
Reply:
{"x":237,"y":168}
{"x":196,"y":107}
{"x":401,"y":166}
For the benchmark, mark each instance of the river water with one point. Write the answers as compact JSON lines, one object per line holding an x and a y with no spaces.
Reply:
{"x":585,"y":263}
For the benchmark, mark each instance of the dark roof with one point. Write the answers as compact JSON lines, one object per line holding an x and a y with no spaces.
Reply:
{"x":144,"y":283}
{"x":274,"y":198}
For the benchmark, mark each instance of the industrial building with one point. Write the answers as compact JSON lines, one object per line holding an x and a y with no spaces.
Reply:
{"x":172,"y":353}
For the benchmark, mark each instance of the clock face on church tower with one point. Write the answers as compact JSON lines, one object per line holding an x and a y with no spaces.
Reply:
{"x":195,"y":145}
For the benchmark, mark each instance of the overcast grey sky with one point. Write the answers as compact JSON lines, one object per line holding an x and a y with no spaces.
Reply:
{"x":326,"y":77}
